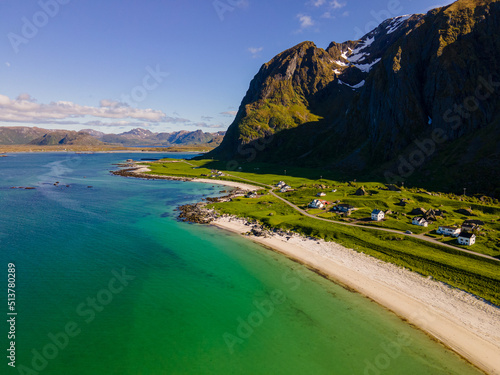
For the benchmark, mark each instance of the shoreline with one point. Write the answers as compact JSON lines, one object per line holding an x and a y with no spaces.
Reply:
{"x":120,"y":151}
{"x":137,"y":171}
{"x":460,"y":321}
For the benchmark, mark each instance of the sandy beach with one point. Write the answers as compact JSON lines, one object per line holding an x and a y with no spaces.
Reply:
{"x":461,"y":321}
{"x":141,"y":170}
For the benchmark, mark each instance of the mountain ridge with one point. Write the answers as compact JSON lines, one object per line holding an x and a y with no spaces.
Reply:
{"x":361,"y":106}
{"x":20,"y":135}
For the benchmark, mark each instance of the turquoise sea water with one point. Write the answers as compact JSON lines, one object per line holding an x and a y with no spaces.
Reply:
{"x":109,"y":282}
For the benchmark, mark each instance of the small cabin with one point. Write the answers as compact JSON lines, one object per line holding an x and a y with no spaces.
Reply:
{"x":420,"y":221}
{"x":377,"y":215}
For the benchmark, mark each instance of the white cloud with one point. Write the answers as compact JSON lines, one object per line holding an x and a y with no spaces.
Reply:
{"x":25,"y":109}
{"x":327,"y":15}
{"x":305,"y":21}
{"x":255,"y":51}
{"x":7,"y":64}
{"x":205,"y":125}
{"x":119,"y":124}
{"x":345,"y":14}
{"x":317,"y":3}
{"x":229,"y":113}
{"x":335,"y":4}
{"x":26,"y":97}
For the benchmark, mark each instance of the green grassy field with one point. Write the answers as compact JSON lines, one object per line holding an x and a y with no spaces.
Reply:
{"x":306,"y":187}
{"x":471,"y":273}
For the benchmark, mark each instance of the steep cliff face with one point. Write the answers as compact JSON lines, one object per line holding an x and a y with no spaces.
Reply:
{"x":281,"y":95}
{"x":366,"y":105}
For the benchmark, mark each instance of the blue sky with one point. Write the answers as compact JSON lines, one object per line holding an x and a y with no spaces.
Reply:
{"x":165,"y":65}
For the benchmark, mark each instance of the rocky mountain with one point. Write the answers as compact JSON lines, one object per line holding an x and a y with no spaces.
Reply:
{"x":144,"y":137}
{"x":416,"y":99}
{"x":21,"y":135}
{"x":66,"y":137}
{"x":94,"y":133}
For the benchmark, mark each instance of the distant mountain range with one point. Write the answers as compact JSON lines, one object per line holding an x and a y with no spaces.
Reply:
{"x":144,"y":137}
{"x":137,"y":137}
{"x":417,"y":99}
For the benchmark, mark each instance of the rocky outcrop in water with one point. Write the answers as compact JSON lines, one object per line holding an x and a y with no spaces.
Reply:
{"x":197,"y":213}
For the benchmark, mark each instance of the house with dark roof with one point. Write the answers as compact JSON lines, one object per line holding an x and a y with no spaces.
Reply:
{"x":343,"y":208}
{"x":470,"y":225}
{"x":466,"y":238}
{"x":420,"y":221}
{"x":377,"y":215}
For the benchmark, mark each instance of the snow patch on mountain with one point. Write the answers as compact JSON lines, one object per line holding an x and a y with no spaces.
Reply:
{"x":367,"y":67}
{"x":396,"y":23}
{"x":358,"y":86}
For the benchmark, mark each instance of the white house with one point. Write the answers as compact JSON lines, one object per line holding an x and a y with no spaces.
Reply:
{"x":281,"y":184}
{"x":377,"y":215}
{"x":449,"y":231}
{"x":316,"y":204}
{"x":467,"y":239}
{"x":321,"y":194}
{"x":420,"y":221}
{"x":285,"y":188}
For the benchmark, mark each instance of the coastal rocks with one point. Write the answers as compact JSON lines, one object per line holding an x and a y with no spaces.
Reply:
{"x":257,"y":232}
{"x":225,"y":198}
{"x":197,"y":213}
